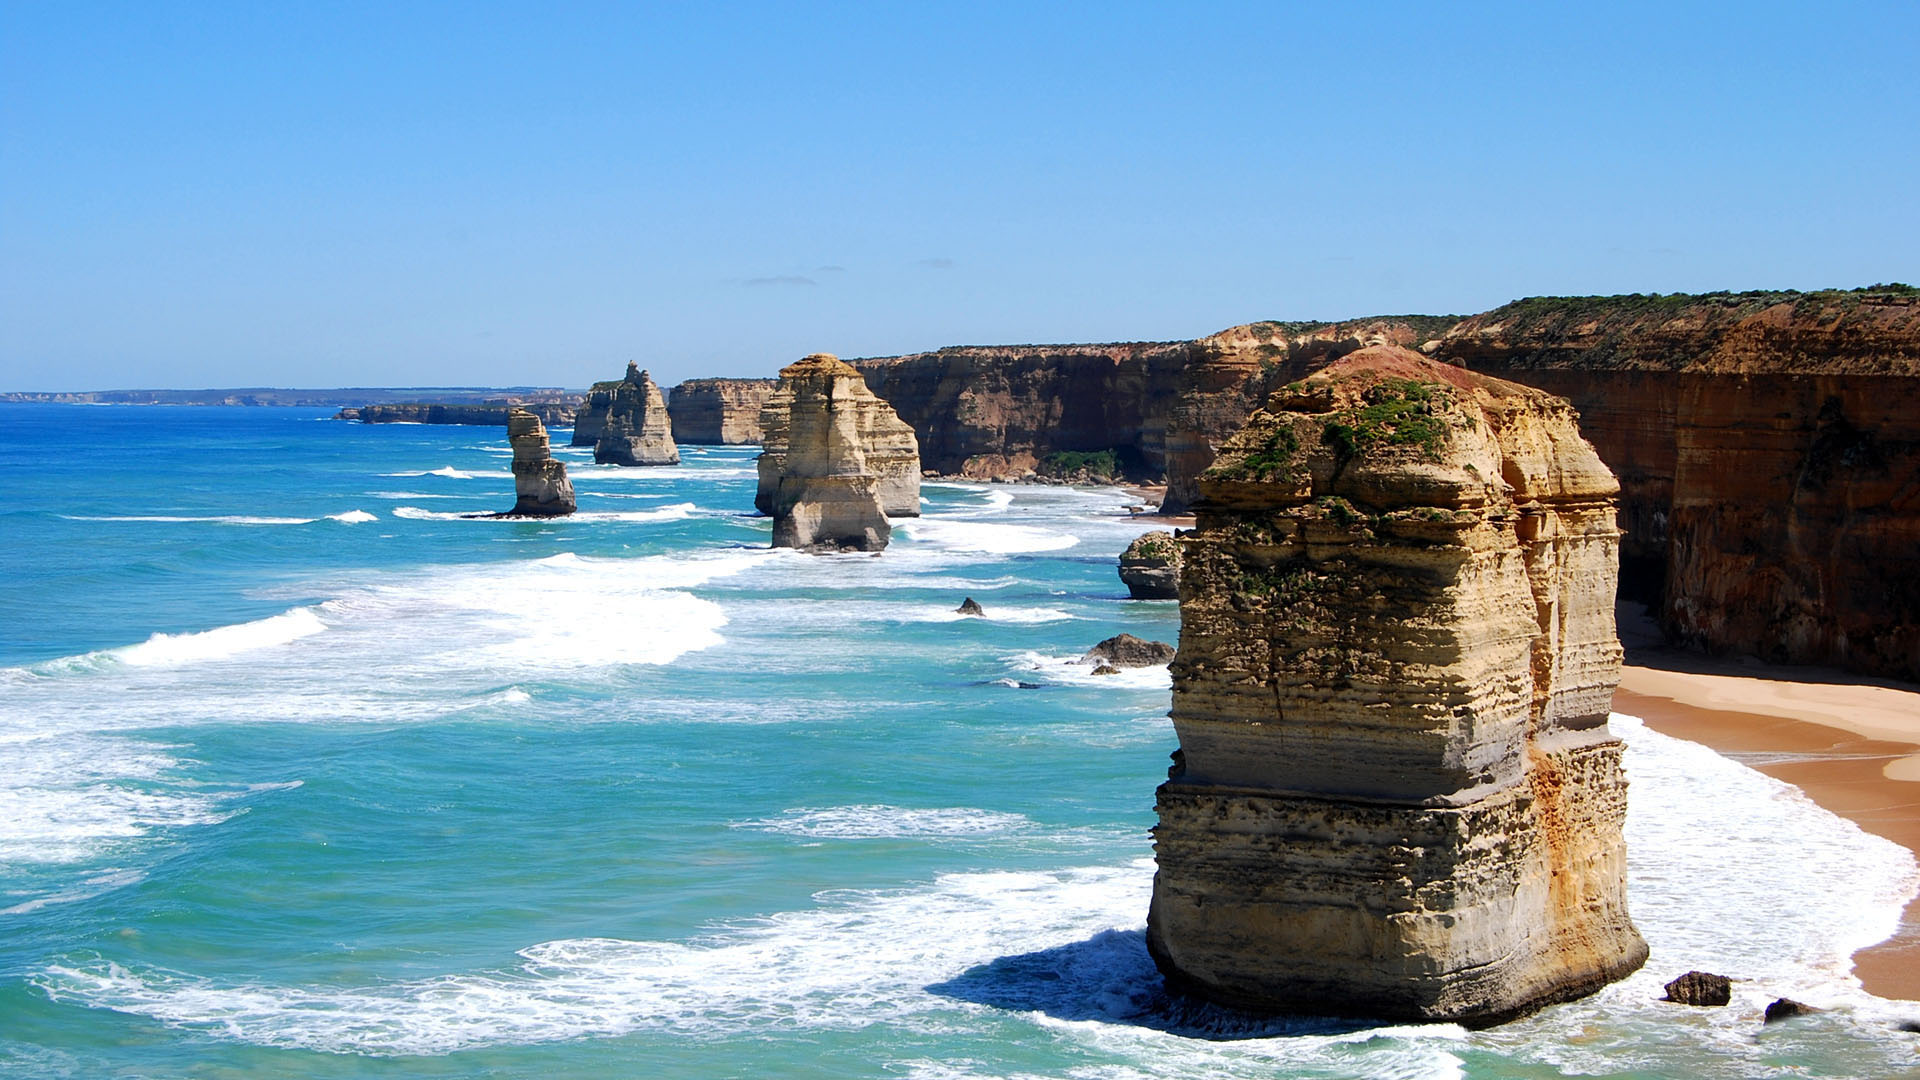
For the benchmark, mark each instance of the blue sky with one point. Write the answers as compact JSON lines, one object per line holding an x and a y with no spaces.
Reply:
{"x":412,"y":194}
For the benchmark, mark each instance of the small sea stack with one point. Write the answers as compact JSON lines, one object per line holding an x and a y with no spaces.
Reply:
{"x":825,"y":495}
{"x":1396,"y":794}
{"x":891,"y":448}
{"x":540,"y":484}
{"x":637,"y":430}
{"x":1150,"y":567}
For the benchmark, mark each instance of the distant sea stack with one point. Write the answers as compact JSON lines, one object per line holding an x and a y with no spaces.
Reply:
{"x":1396,"y":794}
{"x":636,"y":430}
{"x":540,"y":484}
{"x":719,"y":412}
{"x":826,"y":494}
{"x":890,"y":447}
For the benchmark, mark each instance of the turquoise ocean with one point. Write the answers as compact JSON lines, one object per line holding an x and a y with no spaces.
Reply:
{"x":303,"y":774}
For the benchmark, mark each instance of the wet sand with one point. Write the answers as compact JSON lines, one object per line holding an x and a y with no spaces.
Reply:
{"x":1853,"y":748}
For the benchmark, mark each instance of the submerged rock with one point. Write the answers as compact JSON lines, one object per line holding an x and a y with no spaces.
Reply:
{"x":1125,"y":650}
{"x":637,"y":430}
{"x":1150,"y":567}
{"x":1397,"y":795}
{"x":1787,"y":1009}
{"x":890,"y":448}
{"x":1700,"y":988}
{"x":825,"y":496}
{"x":970,"y":606}
{"x":540,"y":484}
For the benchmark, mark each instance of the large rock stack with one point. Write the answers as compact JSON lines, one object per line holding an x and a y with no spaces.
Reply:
{"x":540,"y":484}
{"x":719,"y":412}
{"x":826,"y":495}
{"x":1396,"y":794}
{"x":891,"y":449}
{"x":636,"y":430}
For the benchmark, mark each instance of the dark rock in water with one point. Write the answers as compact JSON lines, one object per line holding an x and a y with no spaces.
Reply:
{"x":1912,"y":1027}
{"x":970,"y":607}
{"x":1125,"y":650}
{"x":1151,"y":567}
{"x":1787,"y":1009}
{"x":1700,"y":988}
{"x":540,"y":484}
{"x":1106,"y":669}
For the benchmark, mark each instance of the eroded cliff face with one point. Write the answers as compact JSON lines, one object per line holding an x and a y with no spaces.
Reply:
{"x":1768,"y":447}
{"x":889,"y":447}
{"x":540,"y":484}
{"x":988,"y":412}
{"x":1396,"y":793}
{"x":719,"y":412}
{"x":591,"y":418}
{"x":825,"y":495}
{"x":636,"y":430}
{"x":557,"y":414}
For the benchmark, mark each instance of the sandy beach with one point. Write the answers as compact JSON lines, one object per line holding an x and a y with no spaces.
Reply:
{"x":1852,"y":745}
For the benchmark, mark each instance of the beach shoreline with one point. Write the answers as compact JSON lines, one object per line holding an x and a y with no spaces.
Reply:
{"x":1853,"y":747}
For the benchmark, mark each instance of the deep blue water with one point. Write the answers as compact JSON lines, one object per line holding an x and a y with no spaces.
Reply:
{"x":306,"y":775}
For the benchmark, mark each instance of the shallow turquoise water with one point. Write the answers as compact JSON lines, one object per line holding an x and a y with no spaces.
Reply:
{"x":305,"y":775}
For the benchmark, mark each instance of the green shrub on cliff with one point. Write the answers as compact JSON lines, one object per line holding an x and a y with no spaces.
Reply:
{"x":1398,"y":412}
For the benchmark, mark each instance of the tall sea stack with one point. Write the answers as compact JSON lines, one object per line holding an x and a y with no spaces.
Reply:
{"x":825,"y":494}
{"x":1396,"y":794}
{"x":540,"y":484}
{"x":636,"y":430}
{"x":891,"y":448}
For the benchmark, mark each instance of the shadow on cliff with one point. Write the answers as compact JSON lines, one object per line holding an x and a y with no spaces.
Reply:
{"x":1109,"y":978}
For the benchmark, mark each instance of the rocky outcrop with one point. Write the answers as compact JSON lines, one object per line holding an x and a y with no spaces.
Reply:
{"x":889,"y":447}
{"x":1150,"y":567}
{"x":540,"y":484}
{"x":591,"y":418}
{"x":825,"y":494}
{"x":1127,"y":651}
{"x":719,"y":412}
{"x":636,"y":430}
{"x":1700,"y":988}
{"x":970,"y":606}
{"x":559,"y":415}
{"x":1396,"y":794}
{"x":1768,"y":448}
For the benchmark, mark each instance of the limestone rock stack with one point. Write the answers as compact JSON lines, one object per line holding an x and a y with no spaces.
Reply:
{"x":540,"y":484}
{"x":891,"y":449}
{"x":637,"y":430}
{"x":719,"y":412}
{"x":1150,"y":567}
{"x":1396,"y":794}
{"x":826,"y":494}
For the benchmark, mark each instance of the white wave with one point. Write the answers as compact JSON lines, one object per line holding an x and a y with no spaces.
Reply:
{"x":991,"y":613}
{"x":675,"y":512}
{"x":353,"y":517}
{"x":881,"y":822}
{"x":1074,"y":671}
{"x":222,"y":641}
{"x":85,"y":889}
{"x":216,"y":519}
{"x":455,"y":474}
{"x":400,"y":496}
{"x":990,"y":538}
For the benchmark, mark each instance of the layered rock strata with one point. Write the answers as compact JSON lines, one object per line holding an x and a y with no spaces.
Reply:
{"x":1150,"y":567}
{"x":1396,"y":794}
{"x":826,"y":494}
{"x":719,"y":412}
{"x":556,"y":414}
{"x":636,"y":430}
{"x":540,"y":484}
{"x":889,"y":447}
{"x":591,"y":418}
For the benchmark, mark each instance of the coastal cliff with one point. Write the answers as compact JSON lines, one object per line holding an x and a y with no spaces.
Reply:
{"x":635,"y":430}
{"x":825,"y":494}
{"x":1768,"y":448}
{"x":719,"y":412}
{"x":540,"y":484}
{"x":889,"y":448}
{"x":1396,"y":794}
{"x":493,"y":415}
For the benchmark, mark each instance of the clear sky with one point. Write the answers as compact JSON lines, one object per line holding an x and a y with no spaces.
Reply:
{"x":486,"y":194}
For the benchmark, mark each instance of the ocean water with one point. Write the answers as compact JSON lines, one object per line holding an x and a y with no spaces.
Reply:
{"x":302,"y":774}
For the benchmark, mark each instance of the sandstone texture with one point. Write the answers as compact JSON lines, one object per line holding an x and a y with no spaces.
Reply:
{"x":1396,"y":794}
{"x":1768,"y":448}
{"x":540,"y":484}
{"x":719,"y":412}
{"x":1150,"y":567}
{"x":826,"y":494}
{"x":591,"y":418}
{"x":636,"y":430}
{"x":889,"y":447}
